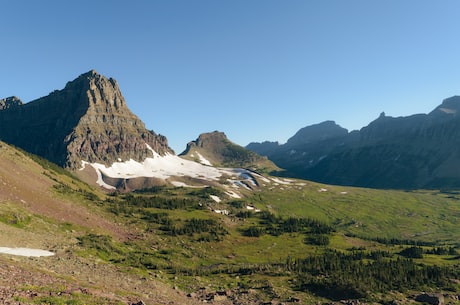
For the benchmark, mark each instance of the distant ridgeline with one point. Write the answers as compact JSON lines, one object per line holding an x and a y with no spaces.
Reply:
{"x":418,"y":151}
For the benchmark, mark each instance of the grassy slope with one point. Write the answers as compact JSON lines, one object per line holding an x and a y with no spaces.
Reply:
{"x":43,"y":206}
{"x":422,"y":216}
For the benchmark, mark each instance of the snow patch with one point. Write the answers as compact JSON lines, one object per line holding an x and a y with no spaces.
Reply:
{"x":223,"y":212}
{"x":233,"y":194}
{"x":251,"y":208}
{"x":281,"y":181}
{"x":203,"y":160}
{"x":162,"y":167}
{"x":99,"y":180}
{"x":215,"y":198}
{"x":25,"y":252}
{"x":167,"y":166}
{"x":179,"y":184}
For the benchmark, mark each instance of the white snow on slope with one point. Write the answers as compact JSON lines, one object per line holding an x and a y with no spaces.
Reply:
{"x":215,"y":198}
{"x":25,"y":252}
{"x":203,"y":160}
{"x":162,"y":167}
{"x":281,"y":181}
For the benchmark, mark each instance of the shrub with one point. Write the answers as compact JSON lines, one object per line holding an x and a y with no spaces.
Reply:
{"x":412,"y":252}
{"x":317,"y":240}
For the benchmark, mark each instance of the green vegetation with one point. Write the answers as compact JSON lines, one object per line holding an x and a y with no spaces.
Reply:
{"x":325,"y":245}
{"x":15,"y":219}
{"x":337,"y":276}
{"x":293,"y":241}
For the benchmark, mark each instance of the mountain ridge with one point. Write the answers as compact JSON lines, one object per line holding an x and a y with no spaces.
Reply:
{"x":416,"y":151}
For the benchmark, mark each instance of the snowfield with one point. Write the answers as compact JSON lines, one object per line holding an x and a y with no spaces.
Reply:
{"x":25,"y":252}
{"x":165,"y":167}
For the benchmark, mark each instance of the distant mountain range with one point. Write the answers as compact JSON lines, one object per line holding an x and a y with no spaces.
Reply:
{"x":418,"y":151}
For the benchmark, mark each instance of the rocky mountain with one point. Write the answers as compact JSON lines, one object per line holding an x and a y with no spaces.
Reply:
{"x":87,"y":121}
{"x":215,"y":149}
{"x":87,"y":128}
{"x":306,"y":148}
{"x":418,"y":151}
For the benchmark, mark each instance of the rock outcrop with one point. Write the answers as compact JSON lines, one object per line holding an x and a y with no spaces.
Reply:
{"x":10,"y":102}
{"x":214,"y":148}
{"x":88,"y":121}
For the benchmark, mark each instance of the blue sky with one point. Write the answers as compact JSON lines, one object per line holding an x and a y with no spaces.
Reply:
{"x":254,"y":69}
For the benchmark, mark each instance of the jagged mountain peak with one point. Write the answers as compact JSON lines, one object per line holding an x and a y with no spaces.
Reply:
{"x":88,"y":120}
{"x":101,"y":90}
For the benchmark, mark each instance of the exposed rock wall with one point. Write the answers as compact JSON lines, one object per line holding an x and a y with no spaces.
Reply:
{"x":88,"y":120}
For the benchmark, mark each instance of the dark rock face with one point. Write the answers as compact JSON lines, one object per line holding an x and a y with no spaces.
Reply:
{"x":418,"y":151}
{"x":88,"y":120}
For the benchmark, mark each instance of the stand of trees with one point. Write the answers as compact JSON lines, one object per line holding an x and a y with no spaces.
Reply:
{"x":336,"y":275}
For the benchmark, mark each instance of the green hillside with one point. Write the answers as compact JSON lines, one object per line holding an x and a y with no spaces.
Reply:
{"x":288,"y":241}
{"x":278,"y":251}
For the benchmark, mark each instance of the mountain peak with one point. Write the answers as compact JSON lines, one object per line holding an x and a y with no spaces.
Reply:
{"x":317,"y":132}
{"x":214,"y":148}
{"x":87,"y":121}
{"x":449,"y":106}
{"x":90,"y":75}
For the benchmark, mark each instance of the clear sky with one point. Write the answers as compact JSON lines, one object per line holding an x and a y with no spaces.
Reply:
{"x":254,"y":69}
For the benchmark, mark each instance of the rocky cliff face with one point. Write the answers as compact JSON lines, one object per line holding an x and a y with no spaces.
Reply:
{"x":88,"y":121}
{"x":417,"y":151}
